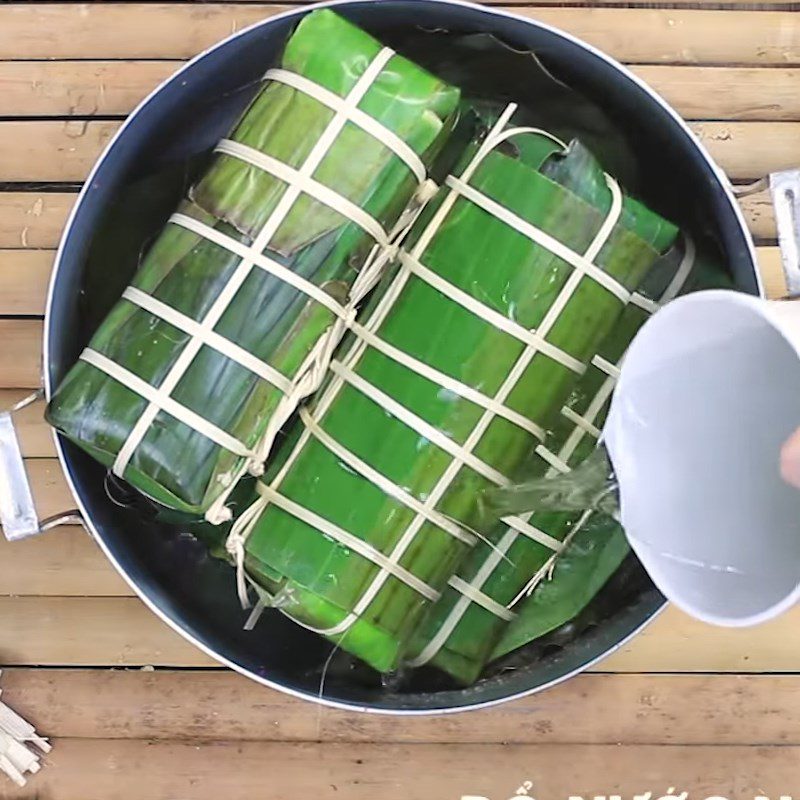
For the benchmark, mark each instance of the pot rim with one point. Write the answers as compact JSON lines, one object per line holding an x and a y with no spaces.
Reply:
{"x":722,"y":179}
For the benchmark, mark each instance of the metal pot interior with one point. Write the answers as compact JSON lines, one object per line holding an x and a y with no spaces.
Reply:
{"x":168,"y":137}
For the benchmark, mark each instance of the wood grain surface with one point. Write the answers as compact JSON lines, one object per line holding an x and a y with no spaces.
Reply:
{"x":592,"y":709}
{"x":20,"y":353}
{"x":164,"y":30}
{"x":128,"y":769}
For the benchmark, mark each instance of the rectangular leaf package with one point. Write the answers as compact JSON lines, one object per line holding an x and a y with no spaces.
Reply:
{"x":463,"y":628}
{"x":499,"y":300}
{"x":234,"y":310}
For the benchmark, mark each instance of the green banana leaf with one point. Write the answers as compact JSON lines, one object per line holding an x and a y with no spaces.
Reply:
{"x":480,"y":64}
{"x":173,"y":463}
{"x":459,"y":635}
{"x":599,"y":547}
{"x":579,"y":572}
{"x":329,"y":584}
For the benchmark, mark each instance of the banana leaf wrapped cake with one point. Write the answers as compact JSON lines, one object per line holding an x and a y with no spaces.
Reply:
{"x":235,"y":308}
{"x":476,"y":337}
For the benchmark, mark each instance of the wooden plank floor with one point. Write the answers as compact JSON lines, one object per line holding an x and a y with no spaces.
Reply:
{"x":135,"y":712}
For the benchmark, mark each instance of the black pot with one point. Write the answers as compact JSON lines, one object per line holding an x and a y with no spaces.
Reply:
{"x":171,"y":572}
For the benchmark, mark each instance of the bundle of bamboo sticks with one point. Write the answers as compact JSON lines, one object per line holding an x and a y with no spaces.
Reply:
{"x":17,"y":757}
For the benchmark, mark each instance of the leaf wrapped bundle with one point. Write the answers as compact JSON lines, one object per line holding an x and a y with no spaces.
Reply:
{"x":463,"y":628}
{"x":455,"y":367}
{"x":225,"y":319}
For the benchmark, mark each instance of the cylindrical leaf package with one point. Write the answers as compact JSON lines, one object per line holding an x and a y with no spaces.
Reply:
{"x":223,"y":329}
{"x":496,"y":305}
